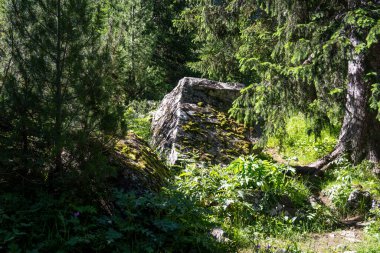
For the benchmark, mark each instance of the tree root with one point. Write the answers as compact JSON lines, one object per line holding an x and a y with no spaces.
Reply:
{"x":320,"y":166}
{"x":317,"y":168}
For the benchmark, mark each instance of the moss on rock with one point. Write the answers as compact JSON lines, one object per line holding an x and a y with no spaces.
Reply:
{"x":192,"y":122}
{"x":140,"y":168}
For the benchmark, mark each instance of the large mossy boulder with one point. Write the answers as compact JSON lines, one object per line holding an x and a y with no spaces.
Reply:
{"x":192,"y":122}
{"x":139,"y":168}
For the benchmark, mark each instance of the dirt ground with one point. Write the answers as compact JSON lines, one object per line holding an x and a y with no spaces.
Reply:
{"x":337,"y":241}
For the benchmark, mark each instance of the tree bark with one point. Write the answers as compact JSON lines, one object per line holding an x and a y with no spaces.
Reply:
{"x":360,"y":133}
{"x":58,"y":95}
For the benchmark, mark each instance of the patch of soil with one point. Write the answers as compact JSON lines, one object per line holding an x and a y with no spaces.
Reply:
{"x":336,"y":241}
{"x":275,"y":154}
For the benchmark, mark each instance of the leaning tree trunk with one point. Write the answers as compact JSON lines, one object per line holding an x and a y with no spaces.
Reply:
{"x":360,"y":133}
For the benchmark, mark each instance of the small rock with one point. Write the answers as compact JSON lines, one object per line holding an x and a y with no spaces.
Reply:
{"x":332,"y":235}
{"x":348,"y":234}
{"x":219,"y":235}
{"x":359,"y":199}
{"x":354,"y":240}
{"x":314,"y":201}
{"x":375,"y":204}
{"x":341,"y":247}
{"x":376,"y":171}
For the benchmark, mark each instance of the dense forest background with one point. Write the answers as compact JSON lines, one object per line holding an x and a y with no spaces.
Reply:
{"x":77,"y":76}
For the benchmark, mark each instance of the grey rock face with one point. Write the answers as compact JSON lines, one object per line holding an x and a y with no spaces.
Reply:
{"x":192,"y":121}
{"x":376,"y":171}
{"x":219,"y":235}
{"x":359,"y":199}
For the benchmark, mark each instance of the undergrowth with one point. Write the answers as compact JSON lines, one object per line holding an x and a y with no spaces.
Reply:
{"x":299,"y":144}
{"x":255,"y":199}
{"x":250,"y":201}
{"x":150,"y":222}
{"x":138,"y":117}
{"x":259,"y":205}
{"x":343,"y":178}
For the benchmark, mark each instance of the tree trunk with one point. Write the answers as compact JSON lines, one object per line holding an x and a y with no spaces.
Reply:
{"x":58,"y":95}
{"x":359,"y":136}
{"x":360,"y":133}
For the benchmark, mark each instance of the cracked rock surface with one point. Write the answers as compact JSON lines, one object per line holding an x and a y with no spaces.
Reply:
{"x":192,"y":123}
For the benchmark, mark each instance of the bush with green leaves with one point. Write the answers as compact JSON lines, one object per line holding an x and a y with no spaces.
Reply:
{"x":254,"y":197}
{"x":343,"y":178}
{"x":168,"y":222}
{"x":371,"y":244}
{"x":114,"y":222}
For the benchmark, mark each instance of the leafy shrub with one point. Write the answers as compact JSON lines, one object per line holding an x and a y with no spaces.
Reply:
{"x":371,"y":244}
{"x":167,"y":222}
{"x":151,"y":222}
{"x":253,"y":197}
{"x":46,"y":224}
{"x":343,"y":178}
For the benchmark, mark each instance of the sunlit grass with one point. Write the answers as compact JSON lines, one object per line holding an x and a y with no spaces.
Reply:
{"x":300,"y":145}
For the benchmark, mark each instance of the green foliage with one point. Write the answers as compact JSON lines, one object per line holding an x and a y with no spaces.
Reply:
{"x":173,"y":48}
{"x":269,"y":178}
{"x":254,"y":198}
{"x":372,"y":231}
{"x":372,"y":239}
{"x":345,"y":178}
{"x":215,"y":32}
{"x":136,"y":39}
{"x":58,"y":93}
{"x":150,"y":53}
{"x":296,"y":54}
{"x":251,"y":200}
{"x":375,"y":99}
{"x":169,"y":221}
{"x":299,"y":143}
{"x":138,"y":117}
{"x":150,"y":222}
{"x":67,"y":69}
{"x":45,"y":223}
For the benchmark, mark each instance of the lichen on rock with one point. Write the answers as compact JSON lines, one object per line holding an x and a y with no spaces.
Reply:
{"x":192,"y":121}
{"x":139,"y":168}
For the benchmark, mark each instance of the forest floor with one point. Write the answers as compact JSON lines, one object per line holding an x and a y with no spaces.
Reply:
{"x":342,"y":240}
{"x":336,"y":241}
{"x":339,"y":241}
{"x":345,"y":240}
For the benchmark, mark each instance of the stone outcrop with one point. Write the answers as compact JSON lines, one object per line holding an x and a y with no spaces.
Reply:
{"x":359,"y":199}
{"x":192,"y":122}
{"x":138,"y":167}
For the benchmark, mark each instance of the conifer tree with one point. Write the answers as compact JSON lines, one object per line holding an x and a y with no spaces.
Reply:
{"x":308,"y":55}
{"x":173,"y":48}
{"x":215,"y":29}
{"x":315,"y":57}
{"x":137,"y":35}
{"x":59,"y":96}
